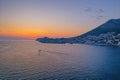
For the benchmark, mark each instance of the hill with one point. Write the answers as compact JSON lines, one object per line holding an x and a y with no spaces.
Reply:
{"x":105,"y":34}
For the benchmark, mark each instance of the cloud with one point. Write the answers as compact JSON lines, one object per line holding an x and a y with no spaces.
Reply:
{"x":92,"y":10}
{"x":88,"y":9}
{"x":99,"y":17}
{"x":95,"y":13}
{"x":100,"y":11}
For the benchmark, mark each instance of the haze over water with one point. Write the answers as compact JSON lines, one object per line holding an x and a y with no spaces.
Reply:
{"x":31,"y":60}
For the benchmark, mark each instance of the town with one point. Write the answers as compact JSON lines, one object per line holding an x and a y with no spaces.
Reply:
{"x":110,"y":38}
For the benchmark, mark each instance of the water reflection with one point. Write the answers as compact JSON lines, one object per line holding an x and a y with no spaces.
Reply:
{"x":33,"y":61}
{"x":39,"y":51}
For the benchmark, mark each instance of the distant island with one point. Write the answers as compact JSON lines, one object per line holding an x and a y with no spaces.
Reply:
{"x":105,"y":34}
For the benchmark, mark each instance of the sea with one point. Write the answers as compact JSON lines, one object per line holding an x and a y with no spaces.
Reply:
{"x":32,"y":60}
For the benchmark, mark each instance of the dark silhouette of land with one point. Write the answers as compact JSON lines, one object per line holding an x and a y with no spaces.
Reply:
{"x":105,"y":34}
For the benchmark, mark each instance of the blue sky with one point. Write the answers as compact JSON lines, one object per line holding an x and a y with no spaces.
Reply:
{"x":56,"y":16}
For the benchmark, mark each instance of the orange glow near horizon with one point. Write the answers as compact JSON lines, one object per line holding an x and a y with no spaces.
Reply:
{"x":41,"y":33}
{"x":35,"y":30}
{"x":54,"y":18}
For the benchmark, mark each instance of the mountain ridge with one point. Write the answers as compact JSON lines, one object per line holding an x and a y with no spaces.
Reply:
{"x":109,"y":28}
{"x":111,"y":22}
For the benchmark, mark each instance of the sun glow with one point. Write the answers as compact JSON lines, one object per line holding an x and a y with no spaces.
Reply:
{"x":34,"y":30}
{"x":39,"y":18}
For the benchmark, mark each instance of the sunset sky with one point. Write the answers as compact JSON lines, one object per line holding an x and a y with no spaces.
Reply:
{"x":54,"y":18}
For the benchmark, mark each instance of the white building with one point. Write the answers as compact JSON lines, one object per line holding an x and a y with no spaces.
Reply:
{"x":118,"y":43}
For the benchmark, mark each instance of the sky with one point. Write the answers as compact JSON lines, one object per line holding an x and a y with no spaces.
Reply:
{"x":54,"y":18}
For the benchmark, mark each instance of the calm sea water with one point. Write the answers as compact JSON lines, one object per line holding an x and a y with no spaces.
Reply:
{"x":31,"y":60}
